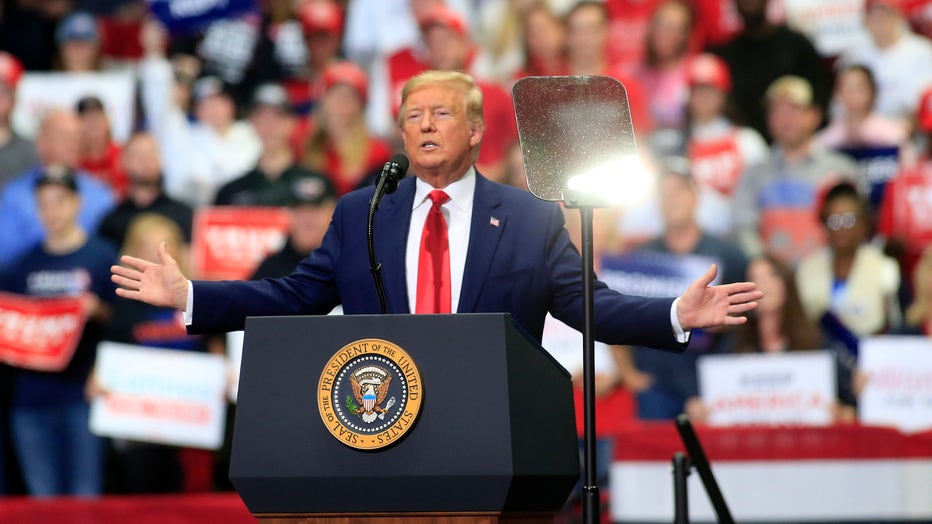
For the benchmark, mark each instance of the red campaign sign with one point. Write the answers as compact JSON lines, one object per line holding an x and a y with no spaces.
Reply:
{"x":39,"y":333}
{"x":230,"y":242}
{"x":717,"y":164}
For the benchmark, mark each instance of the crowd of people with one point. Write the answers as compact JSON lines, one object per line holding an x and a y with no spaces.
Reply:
{"x":801,"y":163}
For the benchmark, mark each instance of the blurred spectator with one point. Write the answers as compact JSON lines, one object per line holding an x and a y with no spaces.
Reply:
{"x":779,"y":325}
{"x":145,"y":194}
{"x":717,"y":22}
{"x":145,"y":467}
{"x":664,"y":381}
{"x":763,"y":52}
{"x":662,"y":71}
{"x":502,"y":33}
{"x":271,"y":181}
{"x":205,"y":153}
{"x":50,"y":415}
{"x":628,"y":25}
{"x":718,"y":150}
{"x":775,"y":199}
{"x":849,"y":279}
{"x":892,"y":52}
{"x":544,"y":42}
{"x":905,"y":216}
{"x":312,"y":202}
{"x":856,"y":122}
{"x":78,"y":39}
{"x":100,"y":155}
{"x":918,"y":317}
{"x":57,"y":145}
{"x":341,"y":145}
{"x":322,"y":25}
{"x":587,"y":39}
{"x":16,"y":153}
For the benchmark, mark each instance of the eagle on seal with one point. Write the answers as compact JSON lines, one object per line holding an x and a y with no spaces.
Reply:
{"x":370,"y":396}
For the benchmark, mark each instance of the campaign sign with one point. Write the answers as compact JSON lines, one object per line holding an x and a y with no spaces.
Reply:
{"x":877,"y":165}
{"x":898,"y":392}
{"x":768,"y":388}
{"x":163,"y":396}
{"x":230,"y":242}
{"x":39,"y":333}
{"x":188,"y":16}
{"x":832,"y":25}
{"x":653,"y":274}
{"x":38,"y":93}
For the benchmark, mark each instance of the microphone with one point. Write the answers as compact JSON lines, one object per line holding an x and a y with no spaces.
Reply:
{"x":393,"y":171}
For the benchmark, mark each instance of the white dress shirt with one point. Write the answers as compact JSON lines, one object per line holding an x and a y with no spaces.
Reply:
{"x":457,"y":212}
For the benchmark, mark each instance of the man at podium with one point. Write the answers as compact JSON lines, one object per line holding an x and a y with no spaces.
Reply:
{"x":450,"y":241}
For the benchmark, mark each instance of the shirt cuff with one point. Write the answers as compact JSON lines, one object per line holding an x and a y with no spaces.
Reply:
{"x":189,"y":306}
{"x":681,"y":336}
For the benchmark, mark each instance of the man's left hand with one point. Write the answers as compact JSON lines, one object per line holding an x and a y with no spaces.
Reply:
{"x":704,"y":306}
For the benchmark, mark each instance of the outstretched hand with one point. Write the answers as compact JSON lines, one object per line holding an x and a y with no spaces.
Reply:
{"x":160,"y":284}
{"x":704,"y":306}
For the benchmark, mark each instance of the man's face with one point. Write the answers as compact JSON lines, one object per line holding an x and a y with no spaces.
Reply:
{"x":216,"y":111}
{"x":273,"y":126}
{"x":790,"y":124}
{"x":447,"y":50}
{"x":94,"y":126}
{"x":753,"y":12}
{"x":438,"y":138}
{"x":57,"y":207}
{"x":677,"y":201}
{"x":59,"y":140}
{"x":309,"y":223}
{"x":6,"y":101}
{"x":142,"y":161}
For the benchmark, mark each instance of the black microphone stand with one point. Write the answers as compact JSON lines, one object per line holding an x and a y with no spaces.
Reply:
{"x":374,"y":266}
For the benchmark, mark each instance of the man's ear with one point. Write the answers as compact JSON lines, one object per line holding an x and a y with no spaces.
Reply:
{"x":475,"y":134}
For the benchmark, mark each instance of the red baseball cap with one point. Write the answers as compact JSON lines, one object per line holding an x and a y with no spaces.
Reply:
{"x":346,"y":72}
{"x":708,"y":69}
{"x":320,"y":16}
{"x":924,"y":111}
{"x":443,"y":16}
{"x":10,"y":69}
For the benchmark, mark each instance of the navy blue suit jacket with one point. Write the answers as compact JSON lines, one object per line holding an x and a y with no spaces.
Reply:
{"x":520,"y":260}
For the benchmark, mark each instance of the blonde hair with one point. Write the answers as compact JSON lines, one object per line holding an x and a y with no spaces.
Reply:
{"x":149,"y":225}
{"x":921,"y":308}
{"x":453,"y":79}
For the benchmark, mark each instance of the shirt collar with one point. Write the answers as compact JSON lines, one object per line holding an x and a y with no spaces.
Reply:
{"x":461,"y":192}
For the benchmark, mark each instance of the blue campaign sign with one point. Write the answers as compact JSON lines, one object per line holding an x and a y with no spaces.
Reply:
{"x":653,"y":274}
{"x":878,"y":165}
{"x":187,"y":16}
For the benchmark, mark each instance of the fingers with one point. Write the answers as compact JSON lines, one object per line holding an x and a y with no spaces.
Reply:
{"x":708,"y":277}
{"x":126,"y":272}
{"x":737,"y":309}
{"x":164,"y":257}
{"x":124,"y":282}
{"x":137,"y":263}
{"x":738,"y":287}
{"x":748,"y":296}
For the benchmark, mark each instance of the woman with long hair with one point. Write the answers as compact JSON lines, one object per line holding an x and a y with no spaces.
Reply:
{"x":341,"y":145}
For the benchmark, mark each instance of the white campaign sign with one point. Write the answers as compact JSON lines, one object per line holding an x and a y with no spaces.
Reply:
{"x":899,"y":382}
{"x":160,"y":395}
{"x":784,"y":388}
{"x":37,"y":93}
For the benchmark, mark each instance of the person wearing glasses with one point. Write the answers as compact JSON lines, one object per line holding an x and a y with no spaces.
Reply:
{"x":849,"y":283}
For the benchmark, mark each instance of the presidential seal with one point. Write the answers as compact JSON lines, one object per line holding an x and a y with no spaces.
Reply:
{"x":369,"y":394}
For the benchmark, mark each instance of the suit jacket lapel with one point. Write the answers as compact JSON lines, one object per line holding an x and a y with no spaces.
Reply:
{"x":487,"y":224}
{"x":393,"y":221}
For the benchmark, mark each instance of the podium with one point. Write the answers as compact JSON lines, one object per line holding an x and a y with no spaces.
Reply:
{"x":494,"y":441}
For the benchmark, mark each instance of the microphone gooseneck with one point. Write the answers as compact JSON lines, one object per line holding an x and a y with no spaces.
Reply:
{"x":392,"y":172}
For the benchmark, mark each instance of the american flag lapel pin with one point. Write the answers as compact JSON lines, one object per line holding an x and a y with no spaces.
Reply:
{"x":493,"y":222}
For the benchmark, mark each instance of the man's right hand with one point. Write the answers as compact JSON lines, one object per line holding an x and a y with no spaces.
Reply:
{"x":160,"y":284}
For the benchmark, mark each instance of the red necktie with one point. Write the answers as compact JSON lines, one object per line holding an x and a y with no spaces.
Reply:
{"x":433,"y":264}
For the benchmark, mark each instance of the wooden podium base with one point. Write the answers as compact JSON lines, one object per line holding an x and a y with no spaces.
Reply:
{"x":410,"y":518}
